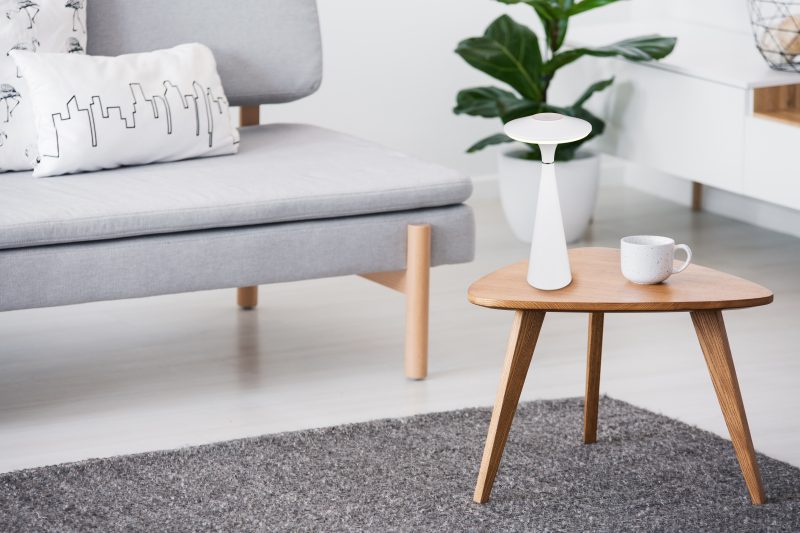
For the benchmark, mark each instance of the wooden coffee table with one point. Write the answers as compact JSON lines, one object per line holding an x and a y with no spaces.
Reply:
{"x":597,"y":288}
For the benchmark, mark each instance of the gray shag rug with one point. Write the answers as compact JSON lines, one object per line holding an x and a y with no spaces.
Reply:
{"x":646,"y":473}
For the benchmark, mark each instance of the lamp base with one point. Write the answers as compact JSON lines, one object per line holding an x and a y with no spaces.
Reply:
{"x":545,"y":283}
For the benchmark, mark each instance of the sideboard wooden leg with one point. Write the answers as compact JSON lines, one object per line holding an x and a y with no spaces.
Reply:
{"x":713,"y":339}
{"x":521,"y":343}
{"x":593,"y":356}
{"x":697,"y":196}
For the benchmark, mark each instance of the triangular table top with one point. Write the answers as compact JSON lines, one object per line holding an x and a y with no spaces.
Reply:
{"x":598,"y":285}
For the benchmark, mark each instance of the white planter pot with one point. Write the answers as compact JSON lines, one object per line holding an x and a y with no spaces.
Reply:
{"x":519,"y":189}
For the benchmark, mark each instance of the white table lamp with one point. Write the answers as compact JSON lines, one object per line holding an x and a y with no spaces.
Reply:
{"x":548,"y":268}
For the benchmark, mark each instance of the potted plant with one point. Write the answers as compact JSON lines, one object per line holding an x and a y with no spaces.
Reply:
{"x":512,"y":53}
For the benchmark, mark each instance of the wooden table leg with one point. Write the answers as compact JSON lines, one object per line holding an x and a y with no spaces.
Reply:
{"x":521,"y":343}
{"x":713,"y":338}
{"x":593,"y":356}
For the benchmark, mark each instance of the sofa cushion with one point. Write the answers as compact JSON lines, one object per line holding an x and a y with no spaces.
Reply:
{"x":41,"y":26}
{"x":133,"y":109}
{"x":283,"y":172}
{"x":44,"y":276}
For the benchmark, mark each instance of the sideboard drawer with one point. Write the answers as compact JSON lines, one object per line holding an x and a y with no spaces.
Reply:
{"x":678,"y":124}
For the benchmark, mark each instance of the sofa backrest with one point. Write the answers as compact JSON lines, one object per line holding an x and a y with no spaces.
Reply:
{"x":267,"y":51}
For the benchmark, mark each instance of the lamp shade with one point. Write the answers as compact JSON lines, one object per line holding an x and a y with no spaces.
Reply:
{"x":548,"y":268}
{"x":547,"y":128}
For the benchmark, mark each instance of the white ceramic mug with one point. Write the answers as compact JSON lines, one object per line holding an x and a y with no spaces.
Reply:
{"x":648,"y":259}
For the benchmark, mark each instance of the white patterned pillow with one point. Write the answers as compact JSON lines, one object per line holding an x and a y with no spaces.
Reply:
{"x":95,"y":112}
{"x":37,"y":26}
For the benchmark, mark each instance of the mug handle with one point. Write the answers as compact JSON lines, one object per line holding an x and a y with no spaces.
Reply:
{"x":688,"y":258}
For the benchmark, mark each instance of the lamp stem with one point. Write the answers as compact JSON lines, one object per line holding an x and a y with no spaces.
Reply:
{"x":548,"y":268}
{"x":548,"y":152}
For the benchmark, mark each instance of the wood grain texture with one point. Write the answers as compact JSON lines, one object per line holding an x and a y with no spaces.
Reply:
{"x":598,"y":285}
{"x":521,"y":343}
{"x":392,"y":280}
{"x":713,"y":339}
{"x":781,"y":103}
{"x":417,"y":290}
{"x":594,"y":354}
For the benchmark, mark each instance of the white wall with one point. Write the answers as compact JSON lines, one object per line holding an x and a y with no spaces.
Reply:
{"x":390,"y":75}
{"x":724,"y":14}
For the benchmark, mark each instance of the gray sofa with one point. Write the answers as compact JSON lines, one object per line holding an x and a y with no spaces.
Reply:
{"x":297,"y":202}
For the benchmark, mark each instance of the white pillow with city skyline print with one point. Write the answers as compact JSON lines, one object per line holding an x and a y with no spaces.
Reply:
{"x":94,"y":112}
{"x":36,"y":26}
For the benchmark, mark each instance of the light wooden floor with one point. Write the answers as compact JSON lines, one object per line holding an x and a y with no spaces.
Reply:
{"x":120,"y":377}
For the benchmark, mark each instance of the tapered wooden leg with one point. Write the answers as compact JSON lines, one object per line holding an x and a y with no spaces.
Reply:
{"x":247,"y":297}
{"x":417,"y":290}
{"x":713,"y":338}
{"x":521,"y":343}
{"x":593,"y":356}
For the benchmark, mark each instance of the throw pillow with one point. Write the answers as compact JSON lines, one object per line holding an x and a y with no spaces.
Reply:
{"x":37,"y":26}
{"x":94,"y":112}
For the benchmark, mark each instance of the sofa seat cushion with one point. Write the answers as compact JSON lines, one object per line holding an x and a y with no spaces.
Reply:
{"x":283,"y":172}
{"x":44,"y":276}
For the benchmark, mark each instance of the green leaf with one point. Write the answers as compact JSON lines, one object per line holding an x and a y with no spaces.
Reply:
{"x":645,"y":48}
{"x":553,"y":15}
{"x":587,"y":5}
{"x":481,"y":101}
{"x":492,"y":102}
{"x":556,"y":34}
{"x":509,"y":52}
{"x":593,"y":88}
{"x":521,"y":108}
{"x":497,"y":138}
{"x":487,"y":102}
{"x":545,"y":10}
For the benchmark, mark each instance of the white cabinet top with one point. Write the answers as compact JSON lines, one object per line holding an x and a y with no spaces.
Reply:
{"x":719,"y":55}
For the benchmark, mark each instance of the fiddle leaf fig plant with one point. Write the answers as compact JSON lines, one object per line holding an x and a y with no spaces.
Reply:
{"x":511,"y":53}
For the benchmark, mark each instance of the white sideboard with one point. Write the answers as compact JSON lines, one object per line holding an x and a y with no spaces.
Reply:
{"x":712,"y":112}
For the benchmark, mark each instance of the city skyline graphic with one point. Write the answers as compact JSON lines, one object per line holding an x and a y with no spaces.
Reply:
{"x":170,"y":111}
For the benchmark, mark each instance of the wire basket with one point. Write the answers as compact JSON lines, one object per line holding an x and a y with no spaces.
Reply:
{"x":776,"y":29}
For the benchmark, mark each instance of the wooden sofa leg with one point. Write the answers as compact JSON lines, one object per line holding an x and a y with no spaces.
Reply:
{"x":414,"y":282}
{"x":418,"y":266}
{"x":247,"y":297}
